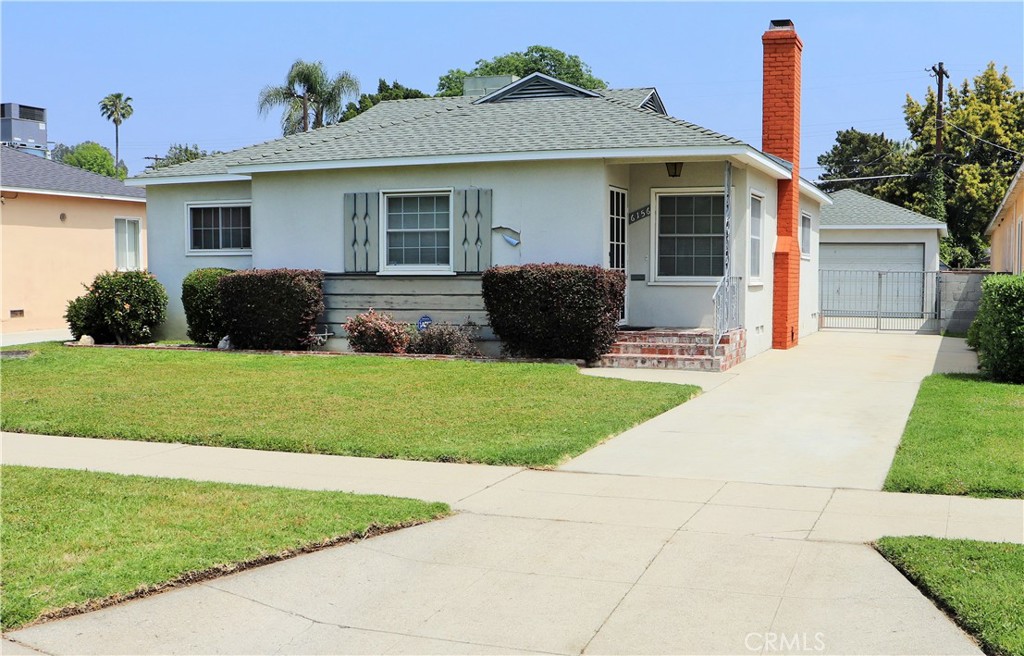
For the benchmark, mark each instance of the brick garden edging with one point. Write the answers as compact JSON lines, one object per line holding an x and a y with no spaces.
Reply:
{"x":409,"y":356}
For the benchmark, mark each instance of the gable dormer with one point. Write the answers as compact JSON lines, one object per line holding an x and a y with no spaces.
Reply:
{"x":653,"y":103}
{"x":536,"y":86}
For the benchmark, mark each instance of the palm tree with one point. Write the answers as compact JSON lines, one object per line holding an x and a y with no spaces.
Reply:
{"x":116,"y":107}
{"x":310,"y":97}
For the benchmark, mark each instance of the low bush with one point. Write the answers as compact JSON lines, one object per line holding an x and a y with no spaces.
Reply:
{"x":444,"y":339}
{"x":554,"y":310}
{"x":377,"y":332}
{"x":998,"y":330}
{"x":119,"y":306}
{"x":202,"y":306}
{"x":271,"y":308}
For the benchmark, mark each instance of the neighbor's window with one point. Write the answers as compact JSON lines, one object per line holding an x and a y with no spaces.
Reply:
{"x":126,"y":244}
{"x":226,"y":227}
{"x":805,"y":234}
{"x":755,"y":236}
{"x":691,"y":235}
{"x":418,"y":230}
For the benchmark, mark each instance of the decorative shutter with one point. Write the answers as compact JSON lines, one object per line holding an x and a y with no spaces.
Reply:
{"x":471,"y":216}
{"x":361,"y":232}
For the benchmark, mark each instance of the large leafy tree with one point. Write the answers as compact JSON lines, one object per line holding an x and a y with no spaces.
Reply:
{"x":983,"y":137}
{"x":863,"y":161}
{"x":535,"y":59}
{"x":394,"y":91}
{"x":91,"y":156}
{"x":179,"y":154}
{"x":117,"y":108}
{"x":310,"y":97}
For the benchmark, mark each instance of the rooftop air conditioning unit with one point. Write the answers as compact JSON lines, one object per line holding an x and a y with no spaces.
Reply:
{"x":22,"y":126}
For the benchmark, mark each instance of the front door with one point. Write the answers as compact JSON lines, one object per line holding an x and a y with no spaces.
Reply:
{"x":617,"y":213}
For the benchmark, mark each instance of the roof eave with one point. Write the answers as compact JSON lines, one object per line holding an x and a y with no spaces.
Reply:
{"x":1009,"y":192}
{"x":812,"y":190}
{"x":186,"y":179}
{"x":941,"y":227}
{"x":73,"y":194}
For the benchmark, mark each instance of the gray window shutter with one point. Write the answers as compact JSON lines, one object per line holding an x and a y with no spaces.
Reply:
{"x":361,"y":232}
{"x":471,"y":216}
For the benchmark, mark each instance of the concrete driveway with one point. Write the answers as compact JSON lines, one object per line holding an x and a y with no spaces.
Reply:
{"x":828,"y":413}
{"x":33,"y":336}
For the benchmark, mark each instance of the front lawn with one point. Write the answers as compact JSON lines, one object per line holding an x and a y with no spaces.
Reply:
{"x":459,"y":411}
{"x":965,"y":436}
{"x":979,"y":583}
{"x":73,"y":536}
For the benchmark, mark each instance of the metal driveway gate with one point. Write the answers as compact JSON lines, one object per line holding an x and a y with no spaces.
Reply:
{"x":880,"y":300}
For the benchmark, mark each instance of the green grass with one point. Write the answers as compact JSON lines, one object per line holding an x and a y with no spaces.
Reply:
{"x":73,"y":536}
{"x":965,"y":436}
{"x":459,"y":411}
{"x":979,"y":583}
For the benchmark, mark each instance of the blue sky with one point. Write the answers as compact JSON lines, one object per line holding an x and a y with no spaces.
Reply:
{"x":195,"y":69}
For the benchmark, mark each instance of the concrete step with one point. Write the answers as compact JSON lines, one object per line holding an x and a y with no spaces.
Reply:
{"x":683,"y":362}
{"x":671,"y":348}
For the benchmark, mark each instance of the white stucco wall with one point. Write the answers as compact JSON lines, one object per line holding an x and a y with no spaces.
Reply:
{"x":809,"y":299}
{"x":167,"y":241}
{"x":757,"y":292}
{"x":928,"y":236}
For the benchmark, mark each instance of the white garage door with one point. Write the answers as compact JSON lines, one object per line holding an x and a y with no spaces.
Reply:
{"x":872,"y":257}
{"x":879,"y":284}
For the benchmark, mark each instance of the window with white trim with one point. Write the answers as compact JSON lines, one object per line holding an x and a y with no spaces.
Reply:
{"x":756,"y":228}
{"x":220,"y":227}
{"x":126,"y":244}
{"x":691,"y":235}
{"x":417,"y":230}
{"x":805,"y":234}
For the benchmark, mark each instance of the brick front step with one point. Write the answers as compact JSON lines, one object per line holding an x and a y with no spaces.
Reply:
{"x":684,"y":349}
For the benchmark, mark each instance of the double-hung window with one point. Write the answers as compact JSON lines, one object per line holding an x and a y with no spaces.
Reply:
{"x":126,"y":244}
{"x":805,"y":235}
{"x":220,"y":228}
{"x":418,"y":230}
{"x":756,"y":228}
{"x":690,"y":235}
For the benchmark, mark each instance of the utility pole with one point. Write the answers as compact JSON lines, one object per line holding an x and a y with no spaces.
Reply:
{"x":156,"y":160}
{"x":940,"y":73}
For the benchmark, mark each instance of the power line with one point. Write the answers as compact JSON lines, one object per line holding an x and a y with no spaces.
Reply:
{"x":868,"y":177}
{"x":974,"y":136}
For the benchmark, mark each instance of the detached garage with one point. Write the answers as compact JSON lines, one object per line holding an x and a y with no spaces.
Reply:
{"x":877,"y":264}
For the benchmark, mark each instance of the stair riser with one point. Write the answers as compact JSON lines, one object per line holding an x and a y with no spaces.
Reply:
{"x":693,"y":350}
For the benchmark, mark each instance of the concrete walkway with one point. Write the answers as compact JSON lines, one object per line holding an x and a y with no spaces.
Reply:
{"x":33,"y":336}
{"x":829,"y":413}
{"x":571,"y":562}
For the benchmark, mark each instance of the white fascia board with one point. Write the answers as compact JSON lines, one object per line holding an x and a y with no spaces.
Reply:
{"x":991,"y":227}
{"x":743,"y":154}
{"x":809,"y":189}
{"x":73,"y":194}
{"x":941,"y":227}
{"x":186,"y":179}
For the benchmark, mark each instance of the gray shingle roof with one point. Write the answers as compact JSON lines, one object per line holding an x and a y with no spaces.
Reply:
{"x":19,"y":170}
{"x":455,"y":126}
{"x":852,"y":208}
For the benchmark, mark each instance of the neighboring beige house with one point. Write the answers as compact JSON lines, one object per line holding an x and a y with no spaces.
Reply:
{"x":60,"y":227}
{"x":1006,"y":230}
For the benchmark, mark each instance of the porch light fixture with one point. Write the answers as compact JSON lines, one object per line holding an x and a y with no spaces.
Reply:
{"x":674,"y":169}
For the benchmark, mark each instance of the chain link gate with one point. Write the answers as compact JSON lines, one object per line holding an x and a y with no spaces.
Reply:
{"x":880,"y":300}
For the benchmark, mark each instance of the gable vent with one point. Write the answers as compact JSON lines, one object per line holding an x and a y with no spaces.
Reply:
{"x":541,"y":89}
{"x":653,"y":103}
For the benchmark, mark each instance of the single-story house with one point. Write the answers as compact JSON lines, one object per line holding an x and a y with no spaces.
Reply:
{"x":405,"y":205}
{"x":1006,"y":229}
{"x":61,"y":226}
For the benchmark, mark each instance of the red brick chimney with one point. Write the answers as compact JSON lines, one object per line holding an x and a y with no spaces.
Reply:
{"x":780,"y":136}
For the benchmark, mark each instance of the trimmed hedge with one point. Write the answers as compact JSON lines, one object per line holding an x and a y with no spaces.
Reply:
{"x":272,"y":308}
{"x":202,"y":305}
{"x":554,"y":310}
{"x":119,"y":306}
{"x":998,"y":330}
{"x":376,"y":332}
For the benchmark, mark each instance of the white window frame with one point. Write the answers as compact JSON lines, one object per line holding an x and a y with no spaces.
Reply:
{"x":676,"y":281}
{"x":415,"y":269}
{"x":138,"y":241}
{"x":805,"y":249}
{"x":215,"y":252}
{"x":755,"y":280}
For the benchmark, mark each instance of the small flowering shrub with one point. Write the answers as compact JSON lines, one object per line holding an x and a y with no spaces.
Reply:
{"x":375,"y":332}
{"x":271,"y":308}
{"x":444,"y":339}
{"x":202,"y":306}
{"x":119,"y":306}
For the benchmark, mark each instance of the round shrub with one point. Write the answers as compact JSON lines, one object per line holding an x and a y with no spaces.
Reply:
{"x":444,"y":339}
{"x":119,"y":306}
{"x":374,"y":332}
{"x":998,"y":330}
{"x":202,"y":306}
{"x":272,"y":308}
{"x":554,"y":310}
